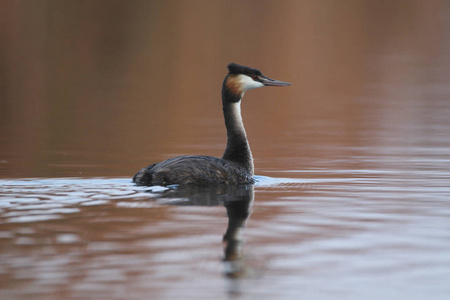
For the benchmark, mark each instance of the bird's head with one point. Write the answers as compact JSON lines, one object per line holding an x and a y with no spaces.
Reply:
{"x":242,"y":78}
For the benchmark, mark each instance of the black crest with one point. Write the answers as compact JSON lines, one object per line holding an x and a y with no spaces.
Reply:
{"x":239,"y":69}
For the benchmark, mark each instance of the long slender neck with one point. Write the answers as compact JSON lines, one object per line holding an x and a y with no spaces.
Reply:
{"x":238,"y":148}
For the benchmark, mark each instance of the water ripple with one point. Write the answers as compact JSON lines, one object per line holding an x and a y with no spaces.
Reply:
{"x":30,"y":200}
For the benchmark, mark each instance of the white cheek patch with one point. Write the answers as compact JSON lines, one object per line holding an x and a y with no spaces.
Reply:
{"x":247,"y":83}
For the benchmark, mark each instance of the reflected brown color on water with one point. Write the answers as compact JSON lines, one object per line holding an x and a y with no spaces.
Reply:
{"x":139,"y":82}
{"x":358,"y":149}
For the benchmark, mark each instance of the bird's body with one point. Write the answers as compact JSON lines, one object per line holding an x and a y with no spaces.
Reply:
{"x":194,"y":169}
{"x":236,"y":164}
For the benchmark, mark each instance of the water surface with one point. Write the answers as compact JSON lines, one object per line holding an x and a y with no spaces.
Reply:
{"x":363,"y":233}
{"x":352,"y":160}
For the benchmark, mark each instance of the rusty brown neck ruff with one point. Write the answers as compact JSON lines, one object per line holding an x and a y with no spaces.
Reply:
{"x":238,"y":148}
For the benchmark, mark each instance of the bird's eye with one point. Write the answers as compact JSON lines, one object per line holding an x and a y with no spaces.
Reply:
{"x":255,"y":78}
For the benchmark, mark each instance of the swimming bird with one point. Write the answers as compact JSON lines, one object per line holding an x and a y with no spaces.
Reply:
{"x":236,"y":164}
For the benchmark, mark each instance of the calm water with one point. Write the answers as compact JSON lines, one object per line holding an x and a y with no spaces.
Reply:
{"x":352,"y":199}
{"x":353,"y":233}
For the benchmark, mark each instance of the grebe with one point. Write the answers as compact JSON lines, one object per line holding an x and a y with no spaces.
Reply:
{"x":236,"y":164}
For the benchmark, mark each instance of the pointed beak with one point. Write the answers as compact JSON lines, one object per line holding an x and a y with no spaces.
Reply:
{"x":272,"y":82}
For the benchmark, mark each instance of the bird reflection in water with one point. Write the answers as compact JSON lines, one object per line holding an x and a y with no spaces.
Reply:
{"x":238,"y":212}
{"x":237,"y":200}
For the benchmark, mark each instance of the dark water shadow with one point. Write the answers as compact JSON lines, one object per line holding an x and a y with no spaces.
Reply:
{"x":237,"y":200}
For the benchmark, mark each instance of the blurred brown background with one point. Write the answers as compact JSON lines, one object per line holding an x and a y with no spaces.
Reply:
{"x":102,"y":88}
